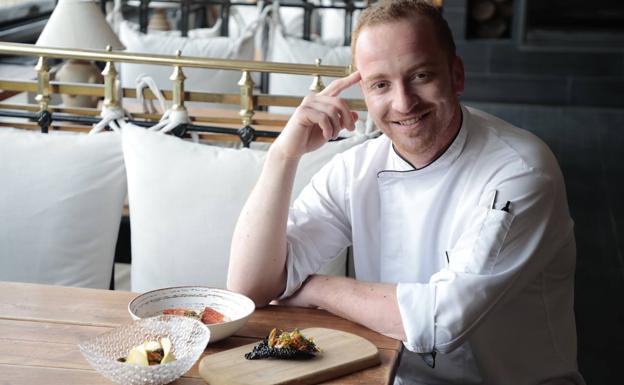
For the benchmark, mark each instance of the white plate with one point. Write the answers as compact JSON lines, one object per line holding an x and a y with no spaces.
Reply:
{"x":237,"y":308}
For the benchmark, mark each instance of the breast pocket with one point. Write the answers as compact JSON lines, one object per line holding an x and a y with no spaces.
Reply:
{"x":477,"y":249}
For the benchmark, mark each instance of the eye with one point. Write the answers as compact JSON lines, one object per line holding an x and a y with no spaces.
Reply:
{"x":379,"y":85}
{"x":420,"y":76}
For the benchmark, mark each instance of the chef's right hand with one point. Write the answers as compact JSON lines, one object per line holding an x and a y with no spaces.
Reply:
{"x":319,"y":118}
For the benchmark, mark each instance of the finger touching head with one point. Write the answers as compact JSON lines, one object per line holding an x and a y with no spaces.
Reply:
{"x":336,"y":87}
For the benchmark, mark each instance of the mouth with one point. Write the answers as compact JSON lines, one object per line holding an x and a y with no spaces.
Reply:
{"x":411,"y":120}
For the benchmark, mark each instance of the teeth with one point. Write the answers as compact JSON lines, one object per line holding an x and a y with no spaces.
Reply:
{"x":408,"y":122}
{"x":411,"y":121}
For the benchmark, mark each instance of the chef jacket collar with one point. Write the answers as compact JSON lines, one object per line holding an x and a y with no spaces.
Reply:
{"x":396,"y":162}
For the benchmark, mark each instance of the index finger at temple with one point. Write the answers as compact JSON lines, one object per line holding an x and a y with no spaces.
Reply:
{"x":339,"y":85}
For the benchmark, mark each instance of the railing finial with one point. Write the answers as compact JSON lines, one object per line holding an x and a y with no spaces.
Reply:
{"x":111,"y":94}
{"x":317,"y":83}
{"x":246,"y":98}
{"x":178,"y":78}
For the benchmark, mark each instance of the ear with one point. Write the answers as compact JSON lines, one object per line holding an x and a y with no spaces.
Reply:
{"x":457,"y":75}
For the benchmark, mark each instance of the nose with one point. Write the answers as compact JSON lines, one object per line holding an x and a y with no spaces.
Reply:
{"x":404,"y":99}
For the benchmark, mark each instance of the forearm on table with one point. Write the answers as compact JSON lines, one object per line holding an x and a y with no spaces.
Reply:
{"x":373,"y":305}
{"x":258,"y":252}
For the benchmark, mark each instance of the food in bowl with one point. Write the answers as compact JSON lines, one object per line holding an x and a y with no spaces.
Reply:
{"x":150,"y":353}
{"x":208,"y":316}
{"x":235,"y":308}
{"x":284,"y":345}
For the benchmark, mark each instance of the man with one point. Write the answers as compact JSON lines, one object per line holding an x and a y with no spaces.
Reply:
{"x":459,"y":224}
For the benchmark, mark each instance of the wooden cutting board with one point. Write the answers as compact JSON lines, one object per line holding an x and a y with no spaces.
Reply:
{"x":341,"y":353}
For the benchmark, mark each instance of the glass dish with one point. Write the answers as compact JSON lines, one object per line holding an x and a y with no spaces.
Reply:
{"x":189,"y":338}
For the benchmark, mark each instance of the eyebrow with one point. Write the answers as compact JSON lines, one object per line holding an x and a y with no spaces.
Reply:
{"x":375,"y":77}
{"x":372,"y":79}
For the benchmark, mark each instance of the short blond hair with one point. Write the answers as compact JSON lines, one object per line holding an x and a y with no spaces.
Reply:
{"x":388,"y":11}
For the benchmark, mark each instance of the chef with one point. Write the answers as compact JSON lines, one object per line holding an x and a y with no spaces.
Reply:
{"x":462,"y":241}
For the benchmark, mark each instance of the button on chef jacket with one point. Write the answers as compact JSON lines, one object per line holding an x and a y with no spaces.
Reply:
{"x":489,"y":291}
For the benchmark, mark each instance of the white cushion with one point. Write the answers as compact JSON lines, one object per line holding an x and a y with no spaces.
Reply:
{"x":292,"y":19}
{"x":243,"y":16}
{"x":185,"y":199}
{"x":197,"y":79}
{"x":294,"y":50}
{"x":333,"y":24}
{"x":61,"y":201}
{"x":240,"y":18}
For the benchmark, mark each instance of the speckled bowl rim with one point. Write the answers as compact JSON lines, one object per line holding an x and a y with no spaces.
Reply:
{"x":250,"y":302}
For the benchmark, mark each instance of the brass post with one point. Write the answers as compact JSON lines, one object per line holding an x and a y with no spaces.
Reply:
{"x":246,"y":98}
{"x":43,"y":83}
{"x":317,"y":83}
{"x":111,"y":96}
{"x":178,"y":86}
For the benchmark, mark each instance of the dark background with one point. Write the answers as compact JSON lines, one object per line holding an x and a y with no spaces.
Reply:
{"x":559,"y":72}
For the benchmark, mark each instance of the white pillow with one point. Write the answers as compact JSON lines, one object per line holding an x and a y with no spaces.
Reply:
{"x":333,"y":24}
{"x":292,"y":19}
{"x":241,"y":17}
{"x":61,"y":199}
{"x":185,"y":199}
{"x":197,"y":79}
{"x":288,"y":49}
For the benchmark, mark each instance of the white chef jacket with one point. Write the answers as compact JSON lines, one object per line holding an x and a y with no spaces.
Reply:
{"x":490,"y":291}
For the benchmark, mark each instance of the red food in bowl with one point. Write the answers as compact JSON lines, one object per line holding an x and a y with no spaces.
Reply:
{"x":208,"y":316}
{"x":211,"y":316}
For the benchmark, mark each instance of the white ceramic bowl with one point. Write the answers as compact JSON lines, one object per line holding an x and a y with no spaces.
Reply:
{"x":188,"y":337}
{"x":236,"y":307}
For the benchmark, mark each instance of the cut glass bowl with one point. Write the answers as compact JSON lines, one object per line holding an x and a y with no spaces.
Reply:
{"x":189,"y":338}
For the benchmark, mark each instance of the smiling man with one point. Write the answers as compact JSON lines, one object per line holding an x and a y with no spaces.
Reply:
{"x":462,"y":241}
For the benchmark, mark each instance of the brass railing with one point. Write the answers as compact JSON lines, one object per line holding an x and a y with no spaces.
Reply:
{"x":183,"y":61}
{"x":247,"y":99}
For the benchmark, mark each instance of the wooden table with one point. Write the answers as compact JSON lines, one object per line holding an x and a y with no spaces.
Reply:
{"x":41,"y":326}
